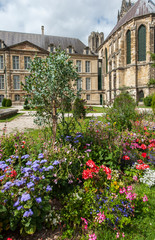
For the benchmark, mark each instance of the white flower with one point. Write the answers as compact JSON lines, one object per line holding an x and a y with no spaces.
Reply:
{"x":148,"y":177}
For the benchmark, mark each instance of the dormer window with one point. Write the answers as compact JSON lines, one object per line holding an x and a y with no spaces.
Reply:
{"x":52,"y":48}
{"x":1,"y":44}
{"x":87,"y":51}
{"x":70,"y":50}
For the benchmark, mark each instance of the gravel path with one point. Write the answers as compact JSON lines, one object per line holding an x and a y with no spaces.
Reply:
{"x":20,"y":124}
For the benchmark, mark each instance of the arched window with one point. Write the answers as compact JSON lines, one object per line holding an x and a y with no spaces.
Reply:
{"x":128,"y":47}
{"x":142,"y":43}
{"x":106,"y":60}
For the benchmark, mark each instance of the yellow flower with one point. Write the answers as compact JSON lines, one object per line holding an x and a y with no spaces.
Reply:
{"x":116,"y":186}
{"x":115,"y":183}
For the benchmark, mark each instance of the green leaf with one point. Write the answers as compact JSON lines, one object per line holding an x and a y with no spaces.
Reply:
{"x":31,"y":229}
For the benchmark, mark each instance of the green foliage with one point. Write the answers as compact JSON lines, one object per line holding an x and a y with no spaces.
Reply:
{"x":153,"y":103}
{"x":122,"y":112}
{"x":4,"y":102}
{"x":26,"y":106}
{"x":148,"y":100}
{"x":8,"y":103}
{"x":79,"y":110}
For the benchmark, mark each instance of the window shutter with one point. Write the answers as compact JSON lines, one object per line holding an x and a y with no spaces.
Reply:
{"x":142,"y":43}
{"x":106,"y":59}
{"x":128,"y":47}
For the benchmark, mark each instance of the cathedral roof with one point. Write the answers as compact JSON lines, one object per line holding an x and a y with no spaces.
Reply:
{"x":42,"y":41}
{"x":140,"y":8}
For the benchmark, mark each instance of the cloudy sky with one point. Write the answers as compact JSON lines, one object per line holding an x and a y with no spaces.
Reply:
{"x":69,"y":18}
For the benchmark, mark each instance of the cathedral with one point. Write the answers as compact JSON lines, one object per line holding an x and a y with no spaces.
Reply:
{"x":105,"y":66}
{"x":125,"y":53}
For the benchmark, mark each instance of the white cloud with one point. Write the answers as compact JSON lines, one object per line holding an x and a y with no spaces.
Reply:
{"x":67,"y":18}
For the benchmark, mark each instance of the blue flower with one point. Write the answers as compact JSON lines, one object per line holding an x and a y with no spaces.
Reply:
{"x":28,"y":213}
{"x":29,"y":163}
{"x":41,"y":155}
{"x":25,"y":156}
{"x":43,"y":161}
{"x":38,"y":200}
{"x":30,"y":184}
{"x":55,"y":162}
{"x":50,"y":168}
{"x":48,"y":188}
{"x":25,"y":197}
{"x":16,"y":203}
{"x":19,"y":207}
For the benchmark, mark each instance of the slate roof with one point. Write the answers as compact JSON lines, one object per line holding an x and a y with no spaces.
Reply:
{"x":140,"y":8}
{"x":43,"y":41}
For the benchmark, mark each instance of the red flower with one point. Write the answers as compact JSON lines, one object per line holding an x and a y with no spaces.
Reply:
{"x":142,"y":166}
{"x":126,"y":157}
{"x":106,"y":169}
{"x":90,"y":164}
{"x":140,"y":161}
{"x":9,"y":238}
{"x":87,"y":174}
{"x":84,"y":147}
{"x":13,"y":173}
{"x":145,"y":128}
{"x":143,"y":146}
{"x":144,"y":155}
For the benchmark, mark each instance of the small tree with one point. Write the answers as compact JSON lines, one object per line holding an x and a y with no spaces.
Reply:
{"x":49,"y":83}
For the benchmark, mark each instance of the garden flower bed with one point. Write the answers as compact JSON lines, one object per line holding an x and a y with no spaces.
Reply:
{"x":97,"y":183}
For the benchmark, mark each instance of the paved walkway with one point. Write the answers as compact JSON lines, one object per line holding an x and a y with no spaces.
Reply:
{"x":26,"y":121}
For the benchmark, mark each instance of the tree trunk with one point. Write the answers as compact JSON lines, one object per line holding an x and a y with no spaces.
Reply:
{"x":54,"y":124}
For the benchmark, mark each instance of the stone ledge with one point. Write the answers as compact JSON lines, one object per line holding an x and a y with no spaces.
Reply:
{"x":4,"y":113}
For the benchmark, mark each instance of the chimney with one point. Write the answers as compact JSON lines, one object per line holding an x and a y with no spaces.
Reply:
{"x":42,"y":30}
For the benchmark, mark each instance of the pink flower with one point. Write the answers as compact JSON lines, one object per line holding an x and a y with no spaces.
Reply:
{"x":129,"y":188}
{"x":123,"y":235}
{"x":117,"y":235}
{"x":135,"y":178}
{"x":92,"y":237}
{"x":122,"y":190}
{"x":145,"y":199}
{"x":143,"y":146}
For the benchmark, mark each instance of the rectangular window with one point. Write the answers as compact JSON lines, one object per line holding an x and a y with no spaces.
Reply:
{"x":78,"y":65}
{"x":16,"y":82}
{"x":87,"y":66}
{"x":79,"y":84}
{"x":17,"y":97}
{"x":87,"y":83}
{"x":1,"y":81}
{"x":1,"y":62}
{"x":15,"y":62}
{"x":26,"y":62}
{"x":88,"y":97}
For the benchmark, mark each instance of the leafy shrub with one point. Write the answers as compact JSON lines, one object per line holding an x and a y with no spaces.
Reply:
{"x":153,"y":104}
{"x":122,"y":112}
{"x":8,"y":103}
{"x":79,"y":110}
{"x":4,"y":102}
{"x":148,"y":100}
{"x":26,"y":106}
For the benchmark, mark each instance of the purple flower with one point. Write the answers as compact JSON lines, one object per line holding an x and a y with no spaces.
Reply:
{"x":19,"y":207}
{"x":41,"y":155}
{"x":49,"y":168}
{"x":35,"y":167}
{"x":1,"y":177}
{"x":28,"y":213}
{"x":55,"y":162}
{"x":25,"y":197}
{"x":25,"y":156}
{"x":3,"y":166}
{"x":38,"y":200}
{"x":29,"y":163}
{"x":16,"y":203}
{"x":48,"y":188}
{"x":43,"y":161}
{"x":30,"y":184}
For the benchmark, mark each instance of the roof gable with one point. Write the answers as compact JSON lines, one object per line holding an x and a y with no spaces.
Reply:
{"x":27,"y":46}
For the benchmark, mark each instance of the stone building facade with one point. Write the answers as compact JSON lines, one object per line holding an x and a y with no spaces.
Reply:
{"x":125,"y":54}
{"x":16,"y":49}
